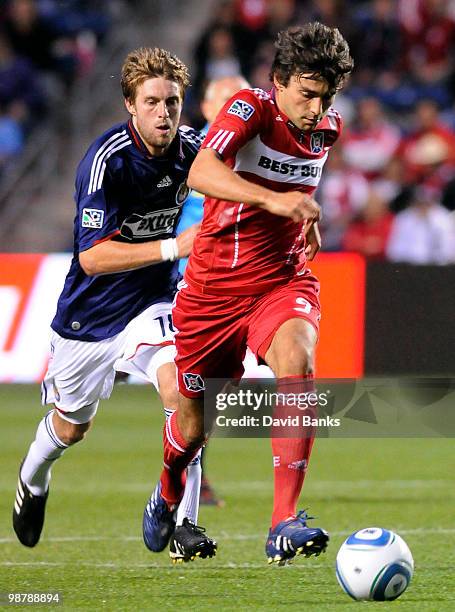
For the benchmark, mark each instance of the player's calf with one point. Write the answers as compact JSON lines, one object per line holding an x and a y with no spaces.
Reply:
{"x":53,"y":436}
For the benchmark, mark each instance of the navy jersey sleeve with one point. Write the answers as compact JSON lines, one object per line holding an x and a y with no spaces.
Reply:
{"x":96,"y":203}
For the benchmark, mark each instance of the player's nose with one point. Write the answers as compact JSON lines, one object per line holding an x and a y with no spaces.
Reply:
{"x":163,"y":110}
{"x":316,"y":106}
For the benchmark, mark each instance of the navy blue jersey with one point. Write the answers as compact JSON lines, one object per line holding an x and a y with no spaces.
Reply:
{"x":123,"y":194}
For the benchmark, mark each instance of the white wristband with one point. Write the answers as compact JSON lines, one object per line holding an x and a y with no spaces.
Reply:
{"x":169,"y":249}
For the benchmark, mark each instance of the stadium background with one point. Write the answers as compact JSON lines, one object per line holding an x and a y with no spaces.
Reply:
{"x":388,"y":199}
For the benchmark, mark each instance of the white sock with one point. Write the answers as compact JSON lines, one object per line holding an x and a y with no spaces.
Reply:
{"x":189,"y":506}
{"x":44,"y":450}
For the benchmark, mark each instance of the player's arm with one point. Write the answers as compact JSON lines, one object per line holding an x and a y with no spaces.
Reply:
{"x":313,"y":240}
{"x":211,"y":176}
{"x":110,"y":256}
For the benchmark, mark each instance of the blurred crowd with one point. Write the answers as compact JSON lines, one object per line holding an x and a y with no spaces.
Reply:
{"x":388,"y":190}
{"x":45,"y":45}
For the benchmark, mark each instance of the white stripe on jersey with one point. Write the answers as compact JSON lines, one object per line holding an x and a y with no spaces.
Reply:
{"x":214,"y":137}
{"x":259,"y":159}
{"x":220,"y":140}
{"x":106,"y":156}
{"x":236,"y":237}
{"x":226,"y":142}
{"x":100,"y":152}
{"x":97,"y":160}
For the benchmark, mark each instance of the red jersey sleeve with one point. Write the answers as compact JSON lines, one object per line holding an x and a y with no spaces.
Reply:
{"x":333,"y":123}
{"x":238,"y":122}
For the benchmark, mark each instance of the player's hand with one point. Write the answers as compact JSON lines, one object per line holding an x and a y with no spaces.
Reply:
{"x":185,"y":240}
{"x":294,"y":204}
{"x":313,"y":239}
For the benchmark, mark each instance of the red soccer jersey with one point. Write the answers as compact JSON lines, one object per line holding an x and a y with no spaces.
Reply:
{"x":242,"y":249}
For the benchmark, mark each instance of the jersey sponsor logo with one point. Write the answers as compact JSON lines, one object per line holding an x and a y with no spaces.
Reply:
{"x":92,"y":218}
{"x":241,"y":109}
{"x":182,"y":193}
{"x":150,"y":225}
{"x":317,"y":142}
{"x":193,"y":382}
{"x":273,"y":165}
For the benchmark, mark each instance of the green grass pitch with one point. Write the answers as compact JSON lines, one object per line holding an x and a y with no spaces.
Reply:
{"x":92,"y":551}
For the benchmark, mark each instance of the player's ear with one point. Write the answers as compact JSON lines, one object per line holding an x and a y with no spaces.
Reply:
{"x":277,"y":83}
{"x":130,"y":106}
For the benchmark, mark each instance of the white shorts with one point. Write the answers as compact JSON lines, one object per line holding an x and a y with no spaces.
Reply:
{"x":81,"y":373}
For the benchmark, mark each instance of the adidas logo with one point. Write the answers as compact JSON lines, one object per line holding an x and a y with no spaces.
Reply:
{"x":165,"y":182}
{"x":19,"y":497}
{"x":179,"y":548}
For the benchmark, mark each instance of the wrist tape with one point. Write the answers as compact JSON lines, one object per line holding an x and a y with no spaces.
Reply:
{"x":169,"y":249}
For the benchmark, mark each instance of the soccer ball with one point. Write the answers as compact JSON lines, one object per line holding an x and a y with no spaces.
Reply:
{"x":374,"y":564}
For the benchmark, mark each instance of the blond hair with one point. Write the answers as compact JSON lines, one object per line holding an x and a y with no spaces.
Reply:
{"x":147,"y":63}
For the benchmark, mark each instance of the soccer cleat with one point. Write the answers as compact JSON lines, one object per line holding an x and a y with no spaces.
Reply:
{"x":158,"y":522}
{"x":189,"y":541}
{"x":28,"y":514}
{"x":292,"y":537}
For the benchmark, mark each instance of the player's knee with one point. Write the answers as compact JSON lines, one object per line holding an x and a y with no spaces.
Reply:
{"x":192,"y":430}
{"x":169,"y":394}
{"x":71,"y":433}
{"x":307,"y":360}
{"x":71,"y":427}
{"x":298,"y":361}
{"x":194,"y":435}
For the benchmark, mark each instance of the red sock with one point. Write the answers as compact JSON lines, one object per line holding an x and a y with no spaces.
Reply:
{"x":177,"y":456}
{"x":291,"y":454}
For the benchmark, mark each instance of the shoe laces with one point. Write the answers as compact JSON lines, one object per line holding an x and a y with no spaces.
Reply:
{"x":302,"y":515}
{"x":197,"y":529}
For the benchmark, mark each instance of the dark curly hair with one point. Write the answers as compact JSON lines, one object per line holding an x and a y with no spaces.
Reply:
{"x":312,"y":49}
